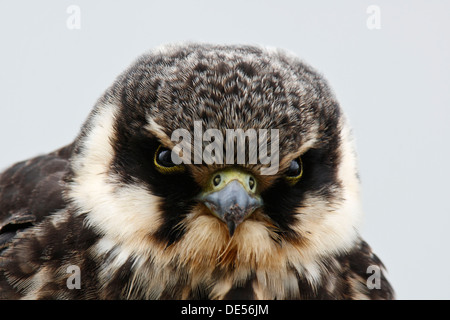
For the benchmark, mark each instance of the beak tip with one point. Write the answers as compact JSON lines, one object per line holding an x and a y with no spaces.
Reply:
{"x":232,"y":204}
{"x":231,"y":227}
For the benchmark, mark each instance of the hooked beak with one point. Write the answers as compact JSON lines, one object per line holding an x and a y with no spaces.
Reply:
{"x":231,"y":196}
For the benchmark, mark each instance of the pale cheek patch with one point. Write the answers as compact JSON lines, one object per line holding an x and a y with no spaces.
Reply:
{"x":97,"y":151}
{"x":127,"y":214}
{"x":330,"y":227}
{"x":348,"y":175}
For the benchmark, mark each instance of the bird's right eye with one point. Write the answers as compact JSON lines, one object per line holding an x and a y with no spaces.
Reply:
{"x":163,"y":161}
{"x":294,"y":172}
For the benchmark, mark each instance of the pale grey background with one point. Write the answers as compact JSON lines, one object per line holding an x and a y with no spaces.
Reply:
{"x":393,"y":83}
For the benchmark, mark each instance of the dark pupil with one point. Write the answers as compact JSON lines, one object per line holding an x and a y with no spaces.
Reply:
{"x":294,"y":169}
{"x":165,"y":159}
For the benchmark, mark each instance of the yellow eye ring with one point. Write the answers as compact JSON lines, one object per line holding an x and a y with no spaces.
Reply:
{"x":295,"y":171}
{"x":163,"y":162}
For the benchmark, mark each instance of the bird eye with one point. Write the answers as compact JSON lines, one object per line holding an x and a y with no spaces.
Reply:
{"x":163,"y":161}
{"x":294,"y":172}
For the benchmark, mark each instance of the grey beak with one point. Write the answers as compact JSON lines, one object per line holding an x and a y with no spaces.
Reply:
{"x":232,"y":204}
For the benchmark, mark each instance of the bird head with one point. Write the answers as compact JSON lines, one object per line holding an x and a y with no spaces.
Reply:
{"x":190,"y":197}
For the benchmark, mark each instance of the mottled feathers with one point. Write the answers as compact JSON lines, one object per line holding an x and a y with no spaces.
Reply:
{"x":102,"y":205}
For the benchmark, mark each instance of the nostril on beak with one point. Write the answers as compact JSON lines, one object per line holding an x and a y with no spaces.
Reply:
{"x":232,"y":204}
{"x":216,"y":180}
{"x":251,"y":183}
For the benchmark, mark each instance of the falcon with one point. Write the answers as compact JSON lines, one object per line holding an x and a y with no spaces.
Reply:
{"x":118,"y":214}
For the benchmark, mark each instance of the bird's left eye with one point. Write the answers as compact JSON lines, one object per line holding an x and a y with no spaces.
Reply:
{"x":294,"y":172}
{"x":163,"y":161}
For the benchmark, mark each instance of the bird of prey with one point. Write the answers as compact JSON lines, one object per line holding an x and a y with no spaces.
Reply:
{"x":116,"y":214}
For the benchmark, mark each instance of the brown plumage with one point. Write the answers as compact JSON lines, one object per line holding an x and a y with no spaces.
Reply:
{"x":140,"y":227}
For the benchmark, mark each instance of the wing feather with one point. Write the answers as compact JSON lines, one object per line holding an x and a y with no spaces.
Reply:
{"x":31,"y":190}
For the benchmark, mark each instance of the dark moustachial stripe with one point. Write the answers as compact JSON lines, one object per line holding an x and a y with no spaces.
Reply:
{"x":134,"y":161}
{"x":320,"y":166}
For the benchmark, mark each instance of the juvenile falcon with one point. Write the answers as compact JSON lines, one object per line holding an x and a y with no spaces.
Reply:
{"x":139,"y":222}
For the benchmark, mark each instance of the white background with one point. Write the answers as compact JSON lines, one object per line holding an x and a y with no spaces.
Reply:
{"x":393,"y":83}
